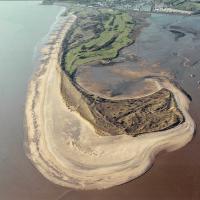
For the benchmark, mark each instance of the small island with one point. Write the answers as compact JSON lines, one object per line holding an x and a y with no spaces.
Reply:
{"x":81,"y":138}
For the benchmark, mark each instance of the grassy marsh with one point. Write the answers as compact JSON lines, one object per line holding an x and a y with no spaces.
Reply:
{"x":98,"y":37}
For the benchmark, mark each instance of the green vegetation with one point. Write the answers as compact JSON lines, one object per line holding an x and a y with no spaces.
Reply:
{"x":105,"y":33}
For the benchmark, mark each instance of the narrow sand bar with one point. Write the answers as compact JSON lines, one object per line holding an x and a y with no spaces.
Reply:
{"x":65,"y":148}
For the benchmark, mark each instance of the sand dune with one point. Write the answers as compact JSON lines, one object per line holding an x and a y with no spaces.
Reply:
{"x":65,"y":148}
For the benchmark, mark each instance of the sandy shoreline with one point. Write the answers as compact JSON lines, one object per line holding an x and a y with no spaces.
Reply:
{"x":64,"y":147}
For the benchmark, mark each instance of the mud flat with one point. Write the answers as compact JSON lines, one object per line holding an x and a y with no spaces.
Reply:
{"x":64,"y":146}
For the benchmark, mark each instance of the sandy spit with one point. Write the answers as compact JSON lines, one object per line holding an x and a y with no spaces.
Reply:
{"x":65,"y":148}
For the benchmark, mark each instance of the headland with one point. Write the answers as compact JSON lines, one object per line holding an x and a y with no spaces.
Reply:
{"x":82,"y":140}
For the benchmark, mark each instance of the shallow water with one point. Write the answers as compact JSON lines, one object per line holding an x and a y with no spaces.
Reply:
{"x":158,"y":44}
{"x":23,"y":26}
{"x":175,"y":176}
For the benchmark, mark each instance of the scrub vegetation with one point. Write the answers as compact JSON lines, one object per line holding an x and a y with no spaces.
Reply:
{"x":98,"y":37}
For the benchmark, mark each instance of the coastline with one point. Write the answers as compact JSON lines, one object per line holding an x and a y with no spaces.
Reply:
{"x":35,"y":97}
{"x":66,"y":169}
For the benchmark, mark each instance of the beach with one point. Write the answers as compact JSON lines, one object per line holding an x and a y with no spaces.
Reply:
{"x":66,"y":149}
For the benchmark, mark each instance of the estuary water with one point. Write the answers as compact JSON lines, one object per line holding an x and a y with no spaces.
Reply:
{"x":23,"y":26}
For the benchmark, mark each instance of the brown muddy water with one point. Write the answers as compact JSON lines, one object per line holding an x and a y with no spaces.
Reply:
{"x":168,"y":44}
{"x":23,"y":26}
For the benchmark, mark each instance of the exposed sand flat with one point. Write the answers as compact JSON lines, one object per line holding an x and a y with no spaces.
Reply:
{"x":65,"y":148}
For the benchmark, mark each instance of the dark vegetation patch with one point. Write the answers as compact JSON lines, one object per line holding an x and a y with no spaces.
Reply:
{"x":156,"y":112}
